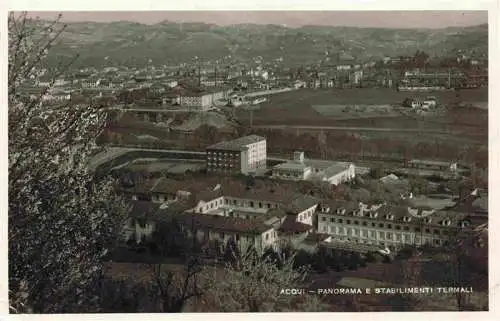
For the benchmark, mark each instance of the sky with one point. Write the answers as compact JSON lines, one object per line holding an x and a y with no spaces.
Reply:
{"x":381,"y":19}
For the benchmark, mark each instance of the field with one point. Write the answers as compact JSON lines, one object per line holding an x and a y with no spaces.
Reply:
{"x":324,"y":106}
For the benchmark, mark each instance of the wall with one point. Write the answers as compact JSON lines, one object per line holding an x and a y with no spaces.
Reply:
{"x":307,"y":215}
{"x":133,"y":229}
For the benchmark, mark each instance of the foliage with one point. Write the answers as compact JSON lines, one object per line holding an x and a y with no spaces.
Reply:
{"x":376,"y":173}
{"x":254,"y":285}
{"x":61,"y":219}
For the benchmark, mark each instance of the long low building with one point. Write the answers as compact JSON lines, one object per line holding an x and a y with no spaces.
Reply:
{"x":300,"y":168}
{"x":390,"y":226}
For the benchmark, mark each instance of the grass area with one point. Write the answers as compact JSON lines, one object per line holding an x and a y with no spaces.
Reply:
{"x":324,"y":106}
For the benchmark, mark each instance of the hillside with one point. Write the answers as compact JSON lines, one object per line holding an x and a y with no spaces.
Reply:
{"x":167,"y":42}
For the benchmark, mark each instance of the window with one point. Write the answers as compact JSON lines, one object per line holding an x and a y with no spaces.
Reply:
{"x":406,"y":228}
{"x":222,"y":235}
{"x":251,"y":204}
{"x":323,"y":219}
{"x":268,"y":205}
{"x":381,"y":235}
{"x":381,"y":225}
{"x":234,"y":202}
{"x":260,"y":204}
{"x":226,"y":201}
{"x":332,"y":220}
{"x":388,"y":236}
{"x":348,"y":221}
{"x":341,"y":220}
{"x":437,"y":232}
{"x":427,"y":230}
{"x":398,"y":227}
{"x":364,"y":223}
{"x":373,"y":234}
{"x":418,"y":229}
{"x":267,"y":237}
{"x":356,"y":222}
{"x":437,"y":242}
{"x":374,"y":225}
{"x":389,"y":225}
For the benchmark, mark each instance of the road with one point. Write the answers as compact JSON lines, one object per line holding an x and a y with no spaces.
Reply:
{"x":345,"y":128}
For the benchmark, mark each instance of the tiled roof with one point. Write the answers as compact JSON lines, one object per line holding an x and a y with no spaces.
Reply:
{"x":157,"y":212}
{"x":140,"y":186}
{"x":224,"y":224}
{"x":301,"y":203}
{"x":167,"y":186}
{"x":290,"y":225}
{"x":261,"y":194}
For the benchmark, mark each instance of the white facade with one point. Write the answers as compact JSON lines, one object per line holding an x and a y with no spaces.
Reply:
{"x":376,"y":230}
{"x":259,"y":241}
{"x":138,"y":230}
{"x":347,"y":175}
{"x":246,"y":208}
{"x":257,"y":154}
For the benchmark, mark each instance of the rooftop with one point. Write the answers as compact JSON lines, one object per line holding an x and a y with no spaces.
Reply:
{"x":334,"y":170}
{"x":157,"y":212}
{"x":224,"y":224}
{"x":290,"y":225}
{"x":237,"y":144}
{"x":429,"y":162}
{"x":292,"y":166}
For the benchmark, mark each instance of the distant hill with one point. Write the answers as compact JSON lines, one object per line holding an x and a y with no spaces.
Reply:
{"x":168,"y":42}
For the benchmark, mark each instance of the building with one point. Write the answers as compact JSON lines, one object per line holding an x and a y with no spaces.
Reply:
{"x":432,"y":165}
{"x":194,"y":98}
{"x":389,"y":226}
{"x":145,"y":218}
{"x":245,"y":233}
{"x":262,"y":205}
{"x":243,"y":155}
{"x":300,"y":168}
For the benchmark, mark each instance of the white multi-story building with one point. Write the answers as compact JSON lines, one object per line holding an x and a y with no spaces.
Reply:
{"x":242,"y":155}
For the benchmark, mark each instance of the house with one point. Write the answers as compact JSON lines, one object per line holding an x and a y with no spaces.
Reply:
{"x":242,"y":155}
{"x":344,"y":67}
{"x":145,"y":218}
{"x":292,"y":232}
{"x":245,"y":233}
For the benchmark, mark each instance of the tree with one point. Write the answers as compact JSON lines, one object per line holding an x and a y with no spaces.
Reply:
{"x":376,"y":172}
{"x":175,"y":289}
{"x":62,"y":220}
{"x":254,"y":285}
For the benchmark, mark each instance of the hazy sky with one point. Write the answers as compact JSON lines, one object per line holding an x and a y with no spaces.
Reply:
{"x":383,"y":19}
